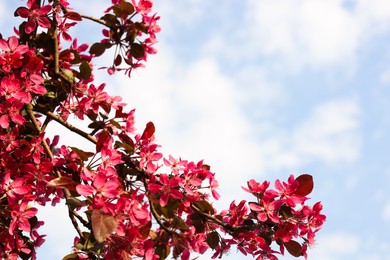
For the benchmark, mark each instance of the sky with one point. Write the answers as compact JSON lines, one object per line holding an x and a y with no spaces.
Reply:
{"x":261,"y":89}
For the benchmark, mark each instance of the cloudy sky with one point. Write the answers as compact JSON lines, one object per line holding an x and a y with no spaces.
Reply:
{"x":262,"y":89}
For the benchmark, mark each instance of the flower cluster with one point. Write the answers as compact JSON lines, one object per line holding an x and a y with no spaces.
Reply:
{"x":125,"y":198}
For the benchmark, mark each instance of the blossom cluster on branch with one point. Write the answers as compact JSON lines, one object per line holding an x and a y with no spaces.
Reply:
{"x":125,"y":199}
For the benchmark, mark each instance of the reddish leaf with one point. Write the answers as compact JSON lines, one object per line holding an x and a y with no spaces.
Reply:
{"x":103,"y":225}
{"x":137,"y":50}
{"x":99,"y":48}
{"x":294,"y":248}
{"x":212,"y":239}
{"x":162,"y":251}
{"x":73,"y":16}
{"x":149,"y":131}
{"x":102,"y":138}
{"x":62,"y":182}
{"x":306,"y":185}
{"x":127,"y":8}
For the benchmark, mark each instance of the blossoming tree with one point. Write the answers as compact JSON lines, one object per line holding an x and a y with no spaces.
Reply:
{"x":125,"y":199}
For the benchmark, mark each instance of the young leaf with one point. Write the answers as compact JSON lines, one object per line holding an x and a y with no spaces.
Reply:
{"x":102,"y":138}
{"x":212,"y":239}
{"x":294,"y":248}
{"x":306,"y":184}
{"x":103,"y":225}
{"x":149,"y":131}
{"x":83,"y":155}
{"x":137,"y":50}
{"x":62,"y":182}
{"x":204,"y":206}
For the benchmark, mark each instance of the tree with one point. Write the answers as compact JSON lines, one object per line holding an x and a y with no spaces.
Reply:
{"x":124,"y":199}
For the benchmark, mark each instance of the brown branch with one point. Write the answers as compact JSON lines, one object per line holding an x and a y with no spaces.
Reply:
{"x":71,"y":127}
{"x":158,"y":219}
{"x":226,"y":226}
{"x":30,"y":113}
{"x":96,"y":20}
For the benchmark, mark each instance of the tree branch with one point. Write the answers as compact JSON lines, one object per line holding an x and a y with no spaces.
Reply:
{"x":30,"y":113}
{"x":96,"y":20}
{"x":70,"y":126}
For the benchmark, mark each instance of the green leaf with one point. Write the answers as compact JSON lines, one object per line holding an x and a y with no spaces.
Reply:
{"x":212,"y":239}
{"x":85,"y":70}
{"x":103,"y":225}
{"x":294,"y":248}
{"x":306,"y":184}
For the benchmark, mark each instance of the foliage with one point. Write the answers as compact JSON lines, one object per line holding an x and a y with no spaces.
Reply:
{"x":125,"y":199}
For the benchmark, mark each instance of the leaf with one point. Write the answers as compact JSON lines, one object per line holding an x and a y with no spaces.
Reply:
{"x":212,"y":239}
{"x":62,"y":182}
{"x":72,"y":256}
{"x":103,"y":225}
{"x":137,"y":50}
{"x":162,"y":251}
{"x":80,"y":153}
{"x":85,"y":70}
{"x":102,"y":138}
{"x":294,"y":248}
{"x":204,"y":206}
{"x":99,"y":48}
{"x":127,"y":7}
{"x":149,"y":131}
{"x":74,"y":202}
{"x":73,"y":16}
{"x":306,"y":184}
{"x":197,"y":222}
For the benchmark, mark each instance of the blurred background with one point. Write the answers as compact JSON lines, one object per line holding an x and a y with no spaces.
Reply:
{"x":262,"y":89}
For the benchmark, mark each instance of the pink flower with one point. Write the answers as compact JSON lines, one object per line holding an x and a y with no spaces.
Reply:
{"x":267,"y":209}
{"x":12,"y":58}
{"x":20,"y":216}
{"x":143,"y":6}
{"x":35,"y":15}
{"x":166,"y":188}
{"x":100,"y":186}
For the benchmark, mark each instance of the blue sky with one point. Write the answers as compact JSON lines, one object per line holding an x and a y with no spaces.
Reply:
{"x":263,"y":88}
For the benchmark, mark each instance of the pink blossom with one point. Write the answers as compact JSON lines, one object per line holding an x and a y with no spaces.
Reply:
{"x":35,"y":16}
{"x":20,"y":216}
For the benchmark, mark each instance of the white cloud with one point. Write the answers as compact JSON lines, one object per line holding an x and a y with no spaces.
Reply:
{"x":314,"y":32}
{"x":330,"y":134}
{"x":336,"y":246}
{"x":386,"y":212}
{"x":197,"y":115}
{"x":309,"y":32}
